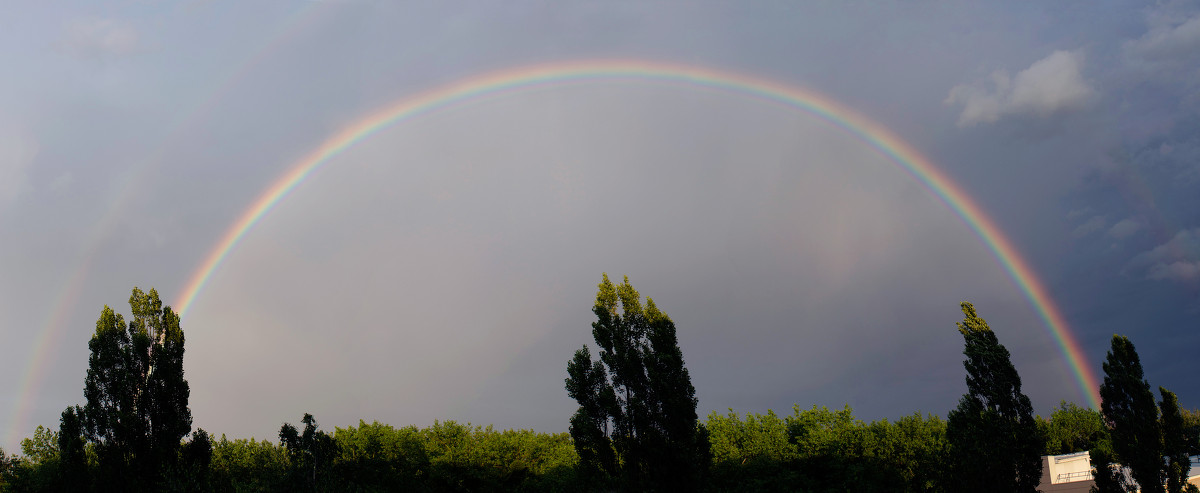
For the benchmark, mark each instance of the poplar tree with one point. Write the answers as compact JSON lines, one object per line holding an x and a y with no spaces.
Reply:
{"x":1175,"y":446}
{"x":637,"y":406}
{"x":1132,"y":415}
{"x":137,"y":399}
{"x":588,"y":384}
{"x":994,"y":439}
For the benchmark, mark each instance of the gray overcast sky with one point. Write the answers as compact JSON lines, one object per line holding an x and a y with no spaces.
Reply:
{"x":445,"y":267}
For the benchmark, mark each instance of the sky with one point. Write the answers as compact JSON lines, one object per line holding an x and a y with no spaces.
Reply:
{"x":444,"y":267}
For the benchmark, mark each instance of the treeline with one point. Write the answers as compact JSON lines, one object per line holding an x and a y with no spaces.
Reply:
{"x":447,"y":456}
{"x":636,"y":429}
{"x":814,"y":450}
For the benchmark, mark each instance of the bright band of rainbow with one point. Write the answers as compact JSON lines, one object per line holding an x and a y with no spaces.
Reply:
{"x":525,"y":78}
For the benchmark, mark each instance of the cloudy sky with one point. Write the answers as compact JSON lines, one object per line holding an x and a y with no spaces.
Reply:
{"x":445,"y":267}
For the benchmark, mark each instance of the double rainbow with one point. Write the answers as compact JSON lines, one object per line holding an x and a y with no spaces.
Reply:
{"x":526,"y":78}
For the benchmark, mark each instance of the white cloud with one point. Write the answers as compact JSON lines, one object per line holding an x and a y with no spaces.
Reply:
{"x":1050,"y":85}
{"x":89,"y":38}
{"x":1177,"y":259}
{"x":1124,"y":228}
{"x":1096,"y":223}
{"x":1168,"y":39}
{"x":17,"y":151}
{"x":1178,"y":270}
{"x":1166,"y":57}
{"x":1075,"y":213}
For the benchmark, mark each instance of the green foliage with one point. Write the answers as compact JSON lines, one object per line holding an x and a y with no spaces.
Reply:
{"x":1072,"y":429}
{"x":194,"y":466}
{"x":760,"y":438}
{"x":466,"y":458}
{"x":6,"y":469}
{"x":447,"y":456}
{"x":378,"y":457}
{"x":38,"y":468}
{"x":1191,"y":430}
{"x":642,"y":388}
{"x":823,"y":450}
{"x":247,"y":465}
{"x":994,"y":439}
{"x":1132,"y":414}
{"x":42,"y":448}
{"x":311,"y":454}
{"x":1174,"y":442}
{"x":752,"y":454}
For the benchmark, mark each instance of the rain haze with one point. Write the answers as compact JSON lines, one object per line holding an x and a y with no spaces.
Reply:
{"x":445,"y":265}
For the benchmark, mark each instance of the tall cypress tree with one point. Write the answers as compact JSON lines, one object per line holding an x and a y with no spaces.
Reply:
{"x":994,"y":440}
{"x":641,"y":388}
{"x":1128,"y":406}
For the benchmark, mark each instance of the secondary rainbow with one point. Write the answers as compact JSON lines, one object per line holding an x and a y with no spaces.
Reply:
{"x":48,"y":338}
{"x":525,"y":78}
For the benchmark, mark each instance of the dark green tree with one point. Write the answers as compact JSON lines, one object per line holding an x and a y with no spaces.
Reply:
{"x":588,"y":384}
{"x":676,"y":442}
{"x":311,"y":451}
{"x":1106,"y":473}
{"x":1191,"y":430}
{"x":637,"y":405}
{"x":994,"y":440}
{"x":167,"y":392}
{"x":137,"y":399}
{"x":1132,"y":415}
{"x":1175,"y":446}
{"x":195,"y":460}
{"x":72,"y":457}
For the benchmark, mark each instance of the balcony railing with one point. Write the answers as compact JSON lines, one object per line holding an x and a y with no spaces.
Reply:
{"x":1071,"y":477}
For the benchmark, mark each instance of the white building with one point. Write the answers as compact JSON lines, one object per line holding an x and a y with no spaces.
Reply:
{"x":1073,"y":473}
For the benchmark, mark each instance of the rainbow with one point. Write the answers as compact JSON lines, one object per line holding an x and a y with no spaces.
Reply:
{"x":525,"y":78}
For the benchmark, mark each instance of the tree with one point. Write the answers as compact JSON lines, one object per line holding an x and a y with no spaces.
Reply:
{"x":994,"y":440}
{"x":588,"y":384}
{"x":1072,"y":429}
{"x":1132,"y":415}
{"x":310,"y":451}
{"x":137,"y":399}
{"x":1191,"y":430}
{"x":1109,"y":477}
{"x":72,"y":458}
{"x":38,"y":470}
{"x":1175,"y":446}
{"x":194,"y":464}
{"x":637,"y":406}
